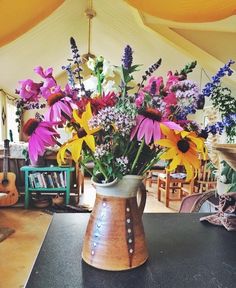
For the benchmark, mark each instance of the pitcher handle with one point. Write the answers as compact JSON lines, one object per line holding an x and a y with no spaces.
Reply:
{"x":143,"y":195}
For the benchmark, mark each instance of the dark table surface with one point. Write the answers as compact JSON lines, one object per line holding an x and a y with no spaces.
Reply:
{"x":184,"y":253}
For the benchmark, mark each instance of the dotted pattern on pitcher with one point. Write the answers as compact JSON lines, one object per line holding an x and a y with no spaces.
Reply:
{"x":129,"y":231}
{"x":97,"y":232}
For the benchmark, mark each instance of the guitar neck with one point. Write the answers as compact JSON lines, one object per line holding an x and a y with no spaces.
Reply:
{"x":5,"y":163}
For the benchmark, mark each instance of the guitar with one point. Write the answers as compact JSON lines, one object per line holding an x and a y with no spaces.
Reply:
{"x":8,"y":191}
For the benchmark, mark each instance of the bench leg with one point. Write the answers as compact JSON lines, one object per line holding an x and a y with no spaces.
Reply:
{"x":67,"y":187}
{"x":26,"y":190}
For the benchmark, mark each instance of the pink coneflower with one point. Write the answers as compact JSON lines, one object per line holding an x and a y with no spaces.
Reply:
{"x":148,"y":125}
{"x":60,"y":107}
{"x":41,"y":135}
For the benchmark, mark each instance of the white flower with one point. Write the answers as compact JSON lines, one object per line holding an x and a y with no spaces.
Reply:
{"x":91,"y":83}
{"x":101,"y":150}
{"x":108,"y":69}
{"x":91,"y":64}
{"x":110,"y":86}
{"x":122,"y":163}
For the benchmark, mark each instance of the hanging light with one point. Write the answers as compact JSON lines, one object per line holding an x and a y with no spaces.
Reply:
{"x":90,"y":14}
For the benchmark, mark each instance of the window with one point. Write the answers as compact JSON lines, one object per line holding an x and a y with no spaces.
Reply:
{"x":10,"y":121}
{"x":7,"y":117}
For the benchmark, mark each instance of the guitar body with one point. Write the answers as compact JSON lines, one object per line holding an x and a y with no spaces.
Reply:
{"x":8,"y":189}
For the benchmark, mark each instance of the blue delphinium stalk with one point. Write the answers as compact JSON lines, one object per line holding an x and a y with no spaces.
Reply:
{"x":182,"y":115}
{"x":70,"y":75}
{"x":127,"y":59}
{"x":216,"y":128}
{"x":229,"y":120}
{"x":225,"y":70}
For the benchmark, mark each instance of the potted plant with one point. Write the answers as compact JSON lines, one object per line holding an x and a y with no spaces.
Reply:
{"x":226,"y":181}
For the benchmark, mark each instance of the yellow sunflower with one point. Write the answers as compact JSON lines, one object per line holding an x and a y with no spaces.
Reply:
{"x":184,"y":148}
{"x":84,"y":134}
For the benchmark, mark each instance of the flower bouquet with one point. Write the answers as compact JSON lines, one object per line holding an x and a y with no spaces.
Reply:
{"x":123,"y":128}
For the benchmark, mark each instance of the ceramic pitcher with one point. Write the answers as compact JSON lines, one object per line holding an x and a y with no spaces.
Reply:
{"x":115,"y":239}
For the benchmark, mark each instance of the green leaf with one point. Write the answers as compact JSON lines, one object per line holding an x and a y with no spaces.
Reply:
{"x":232,"y":188}
{"x":134,"y":68}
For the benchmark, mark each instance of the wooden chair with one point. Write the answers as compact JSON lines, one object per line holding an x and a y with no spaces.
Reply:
{"x":205,"y":180}
{"x":152,"y":174}
{"x":168,"y":183}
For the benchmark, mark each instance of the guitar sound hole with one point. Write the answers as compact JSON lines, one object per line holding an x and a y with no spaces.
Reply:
{"x":5,"y":182}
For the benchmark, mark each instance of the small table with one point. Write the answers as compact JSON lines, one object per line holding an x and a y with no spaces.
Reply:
{"x":183,"y":253}
{"x":32,"y":169}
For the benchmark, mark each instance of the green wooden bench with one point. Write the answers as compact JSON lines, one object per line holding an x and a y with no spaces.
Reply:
{"x":28,"y":170}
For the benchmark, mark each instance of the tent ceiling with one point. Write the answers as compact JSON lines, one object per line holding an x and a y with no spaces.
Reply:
{"x":190,"y":11}
{"x":115,"y":25}
{"x":19,"y":16}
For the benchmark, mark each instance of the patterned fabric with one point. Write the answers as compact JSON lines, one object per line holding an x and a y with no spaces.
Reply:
{"x":226,"y":216}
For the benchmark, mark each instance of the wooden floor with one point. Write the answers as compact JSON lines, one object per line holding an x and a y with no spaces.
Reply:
{"x":19,"y":251}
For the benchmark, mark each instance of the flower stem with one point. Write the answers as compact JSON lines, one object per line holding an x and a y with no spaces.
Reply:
{"x":99,"y":87}
{"x":101,"y":169}
{"x":85,"y":168}
{"x":137,"y":156}
{"x":129,"y":148}
{"x":154,"y":160}
{"x":68,"y":118}
{"x":58,"y":143}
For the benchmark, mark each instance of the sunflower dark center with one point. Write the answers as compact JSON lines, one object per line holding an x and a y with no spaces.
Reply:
{"x":152,"y":114}
{"x":183,"y":145}
{"x":81,"y":133}
{"x":53,"y":98}
{"x":30,"y":126}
